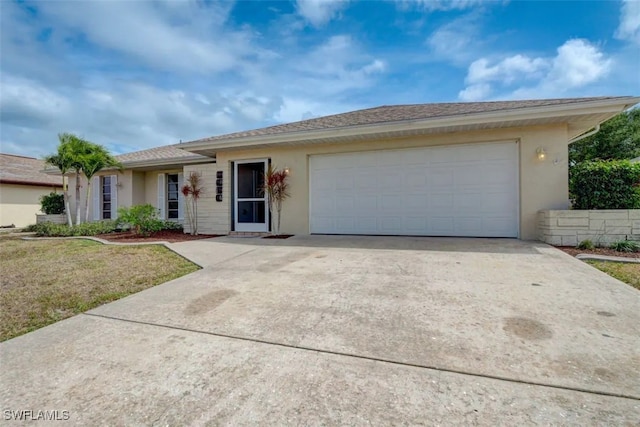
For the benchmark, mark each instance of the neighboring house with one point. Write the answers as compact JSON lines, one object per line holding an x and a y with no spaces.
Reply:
{"x":460,"y":169}
{"x":22,"y":183}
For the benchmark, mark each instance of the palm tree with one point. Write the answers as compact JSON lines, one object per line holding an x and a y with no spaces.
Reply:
{"x":63,"y":159}
{"x":78,"y":149}
{"x":93,"y":162}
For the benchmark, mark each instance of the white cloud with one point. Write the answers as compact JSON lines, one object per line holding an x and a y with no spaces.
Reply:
{"x":115,"y":93}
{"x":456,"y":40}
{"x":319,"y":12}
{"x":577,"y":63}
{"x":433,"y":5}
{"x":475,"y":92}
{"x":507,"y":71}
{"x":156,"y":34}
{"x":629,"y":28}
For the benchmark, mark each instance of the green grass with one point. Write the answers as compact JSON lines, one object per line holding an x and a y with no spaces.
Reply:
{"x":46,"y":281}
{"x":625,"y":272}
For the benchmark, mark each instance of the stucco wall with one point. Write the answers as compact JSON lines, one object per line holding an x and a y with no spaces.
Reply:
{"x":19,"y":204}
{"x":543,"y":184}
{"x":602,"y":227}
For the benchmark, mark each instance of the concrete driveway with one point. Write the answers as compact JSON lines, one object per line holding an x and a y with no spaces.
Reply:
{"x":346,"y":330}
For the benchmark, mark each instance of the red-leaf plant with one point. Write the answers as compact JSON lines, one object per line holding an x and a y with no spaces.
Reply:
{"x":192,"y":191}
{"x":276,"y":188}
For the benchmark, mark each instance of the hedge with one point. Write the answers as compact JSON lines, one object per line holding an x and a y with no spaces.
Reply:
{"x":611,"y":184}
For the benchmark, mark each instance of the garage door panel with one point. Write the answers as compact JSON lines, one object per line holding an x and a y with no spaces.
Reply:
{"x":462,"y":190}
{"x":440,"y":177}
{"x":389,"y":182}
{"x":390,"y":202}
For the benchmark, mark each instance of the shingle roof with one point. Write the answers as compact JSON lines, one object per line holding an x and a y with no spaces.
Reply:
{"x":165,"y":152}
{"x":25,"y":170}
{"x":396,"y":113}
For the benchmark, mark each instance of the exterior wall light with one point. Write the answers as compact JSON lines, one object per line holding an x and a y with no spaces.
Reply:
{"x":541,"y":153}
{"x":287,"y":171}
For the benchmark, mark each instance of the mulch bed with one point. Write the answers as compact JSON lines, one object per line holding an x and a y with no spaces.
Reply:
{"x":598,"y":251}
{"x":171,"y":236}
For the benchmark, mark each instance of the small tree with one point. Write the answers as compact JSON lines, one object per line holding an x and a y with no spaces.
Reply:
{"x":63,"y":159}
{"x":276,"y":188}
{"x":192,"y":191}
{"x":93,"y":161}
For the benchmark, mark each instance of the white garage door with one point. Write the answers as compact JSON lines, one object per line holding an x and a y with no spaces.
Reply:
{"x":464,"y":190}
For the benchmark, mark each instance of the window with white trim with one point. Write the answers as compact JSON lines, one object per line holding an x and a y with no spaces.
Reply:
{"x":173,"y":196}
{"x":105,"y":183}
{"x":104,"y":197}
{"x":170,"y":199}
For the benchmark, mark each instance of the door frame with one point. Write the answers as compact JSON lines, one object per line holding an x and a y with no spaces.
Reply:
{"x":247,"y":226}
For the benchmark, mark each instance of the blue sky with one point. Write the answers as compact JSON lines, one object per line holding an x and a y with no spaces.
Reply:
{"x":137,"y":74}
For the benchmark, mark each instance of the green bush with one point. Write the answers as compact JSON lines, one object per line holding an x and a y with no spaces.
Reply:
{"x":605,"y":185}
{"x":625,"y":246}
{"x":49,"y":229}
{"x":142,"y":218}
{"x":586,"y":245}
{"x":52,"y":204}
{"x":171,"y":225}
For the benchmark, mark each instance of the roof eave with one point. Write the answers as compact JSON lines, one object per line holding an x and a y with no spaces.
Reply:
{"x":167,"y":162}
{"x":613,"y":106}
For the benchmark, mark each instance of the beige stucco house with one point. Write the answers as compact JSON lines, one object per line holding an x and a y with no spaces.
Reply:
{"x":456,"y":169}
{"x":22,"y":183}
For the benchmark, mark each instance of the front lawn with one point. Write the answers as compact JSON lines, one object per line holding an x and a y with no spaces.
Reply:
{"x":628,"y":273}
{"x":45,"y":281}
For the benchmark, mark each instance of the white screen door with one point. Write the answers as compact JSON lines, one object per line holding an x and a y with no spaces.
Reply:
{"x":251,"y":211}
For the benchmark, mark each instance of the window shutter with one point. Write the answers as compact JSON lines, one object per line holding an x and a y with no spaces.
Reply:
{"x":161,"y":195}
{"x":114,"y":196}
{"x":180,"y":197}
{"x":97,"y":194}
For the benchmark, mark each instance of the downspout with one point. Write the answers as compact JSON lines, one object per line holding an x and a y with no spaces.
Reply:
{"x":584,"y":135}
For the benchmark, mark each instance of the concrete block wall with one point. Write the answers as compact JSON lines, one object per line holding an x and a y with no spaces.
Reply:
{"x":602,"y":227}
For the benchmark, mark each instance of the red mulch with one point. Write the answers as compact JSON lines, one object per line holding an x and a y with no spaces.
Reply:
{"x":598,"y":251}
{"x":171,"y":236}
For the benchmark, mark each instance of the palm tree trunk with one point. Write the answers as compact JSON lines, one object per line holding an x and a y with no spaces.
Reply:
{"x":86,"y":201}
{"x":78,"y":210}
{"x":65,"y":193}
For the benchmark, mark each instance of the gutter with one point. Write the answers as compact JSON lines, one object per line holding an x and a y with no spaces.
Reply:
{"x":586,"y":134}
{"x":148,"y":163}
{"x":31,"y":183}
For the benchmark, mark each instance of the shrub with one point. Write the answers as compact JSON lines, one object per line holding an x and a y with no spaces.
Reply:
{"x":605,"y":185}
{"x":52,"y":204}
{"x":625,"y":246}
{"x":586,"y":245}
{"x":171,"y":225}
{"x":143,"y":218}
{"x":49,"y":229}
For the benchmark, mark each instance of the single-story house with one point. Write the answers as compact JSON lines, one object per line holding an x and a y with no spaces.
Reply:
{"x":453,"y":169}
{"x":22,"y":183}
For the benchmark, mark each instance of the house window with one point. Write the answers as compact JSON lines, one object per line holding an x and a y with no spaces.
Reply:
{"x":173,"y":192}
{"x":105,"y":183}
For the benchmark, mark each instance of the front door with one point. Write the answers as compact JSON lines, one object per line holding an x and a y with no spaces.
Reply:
{"x":251,"y":208}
